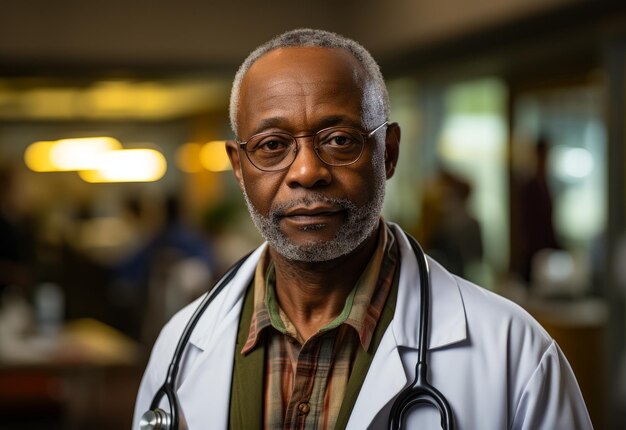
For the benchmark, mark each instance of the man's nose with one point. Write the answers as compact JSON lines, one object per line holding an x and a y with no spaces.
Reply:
{"x":307,"y":169}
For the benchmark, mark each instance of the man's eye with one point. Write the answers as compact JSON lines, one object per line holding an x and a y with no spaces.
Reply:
{"x":339,"y":140}
{"x":272,"y":144}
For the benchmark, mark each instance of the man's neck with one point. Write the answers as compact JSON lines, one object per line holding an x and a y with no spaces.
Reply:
{"x":312,"y":294}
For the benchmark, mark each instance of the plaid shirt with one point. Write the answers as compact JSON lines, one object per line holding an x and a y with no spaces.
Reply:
{"x":305,"y":382}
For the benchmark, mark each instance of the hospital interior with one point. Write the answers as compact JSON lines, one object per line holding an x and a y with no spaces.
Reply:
{"x":118,"y":205}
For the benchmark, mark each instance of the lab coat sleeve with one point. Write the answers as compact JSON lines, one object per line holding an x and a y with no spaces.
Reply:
{"x":551,"y":399}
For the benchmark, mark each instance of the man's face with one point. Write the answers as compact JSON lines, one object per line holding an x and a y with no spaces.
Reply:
{"x":310,"y":211}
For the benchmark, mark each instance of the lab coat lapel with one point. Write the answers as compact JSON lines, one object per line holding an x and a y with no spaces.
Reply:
{"x":210,"y":355}
{"x":388,"y":375}
{"x":204,"y":399}
{"x":384,"y":380}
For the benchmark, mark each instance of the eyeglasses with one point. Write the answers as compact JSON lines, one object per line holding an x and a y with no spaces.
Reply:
{"x":335,"y":146}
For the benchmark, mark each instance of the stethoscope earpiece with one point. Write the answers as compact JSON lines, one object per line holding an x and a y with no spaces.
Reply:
{"x":155,"y":419}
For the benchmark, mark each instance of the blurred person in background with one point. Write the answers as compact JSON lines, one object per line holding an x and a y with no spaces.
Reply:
{"x":16,"y":238}
{"x":536,"y":212}
{"x":172,"y":268}
{"x":16,"y":269}
{"x":451,"y":234}
{"x":318,"y":328}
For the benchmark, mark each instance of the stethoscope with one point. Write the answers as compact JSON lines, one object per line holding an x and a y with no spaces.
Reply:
{"x":419,"y":393}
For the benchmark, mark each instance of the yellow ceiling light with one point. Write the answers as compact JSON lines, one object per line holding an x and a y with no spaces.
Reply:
{"x":109,"y":96}
{"x":67,"y":154}
{"x":127,"y":165}
{"x":38,"y":102}
{"x":37,"y":156}
{"x":81,"y":154}
{"x":213,"y":156}
{"x":188,"y":157}
{"x":63,"y":99}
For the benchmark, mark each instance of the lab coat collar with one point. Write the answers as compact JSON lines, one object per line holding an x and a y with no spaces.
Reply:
{"x":448,"y":322}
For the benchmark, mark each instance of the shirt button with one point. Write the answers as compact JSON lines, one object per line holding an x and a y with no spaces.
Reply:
{"x":304,"y":408}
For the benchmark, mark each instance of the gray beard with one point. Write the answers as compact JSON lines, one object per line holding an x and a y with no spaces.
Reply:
{"x":360,"y":223}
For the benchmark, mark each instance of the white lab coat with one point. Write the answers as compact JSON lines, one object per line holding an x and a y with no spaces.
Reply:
{"x":496,"y":366}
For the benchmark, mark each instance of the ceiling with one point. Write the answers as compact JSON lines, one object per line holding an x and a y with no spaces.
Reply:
{"x":158,"y":59}
{"x":39,"y":35}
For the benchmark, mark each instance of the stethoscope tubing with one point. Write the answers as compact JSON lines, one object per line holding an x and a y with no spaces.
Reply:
{"x":421,"y":392}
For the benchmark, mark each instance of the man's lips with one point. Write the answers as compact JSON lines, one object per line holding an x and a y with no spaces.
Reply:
{"x":314,"y":211}
{"x":308,"y":216}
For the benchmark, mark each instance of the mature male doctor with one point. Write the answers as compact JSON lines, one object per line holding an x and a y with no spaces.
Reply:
{"x":318,"y":329}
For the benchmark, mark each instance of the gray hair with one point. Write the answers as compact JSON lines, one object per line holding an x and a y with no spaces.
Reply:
{"x":376,"y":98}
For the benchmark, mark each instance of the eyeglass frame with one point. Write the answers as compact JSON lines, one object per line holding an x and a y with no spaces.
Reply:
{"x":365,"y":134}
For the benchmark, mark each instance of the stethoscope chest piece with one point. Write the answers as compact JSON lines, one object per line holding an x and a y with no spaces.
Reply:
{"x":155,"y":419}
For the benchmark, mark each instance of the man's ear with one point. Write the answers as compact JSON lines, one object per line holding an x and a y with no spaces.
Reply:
{"x":392,"y":148}
{"x":232,"y":149}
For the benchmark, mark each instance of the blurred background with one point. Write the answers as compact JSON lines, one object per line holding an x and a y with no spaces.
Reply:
{"x":117,"y":206}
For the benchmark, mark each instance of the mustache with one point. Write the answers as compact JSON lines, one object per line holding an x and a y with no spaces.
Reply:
{"x":278,"y":210}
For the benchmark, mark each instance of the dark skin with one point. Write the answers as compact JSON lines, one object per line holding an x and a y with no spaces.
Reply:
{"x":302,"y":90}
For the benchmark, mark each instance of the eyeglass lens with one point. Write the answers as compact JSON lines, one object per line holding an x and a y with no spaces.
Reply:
{"x":336,"y":146}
